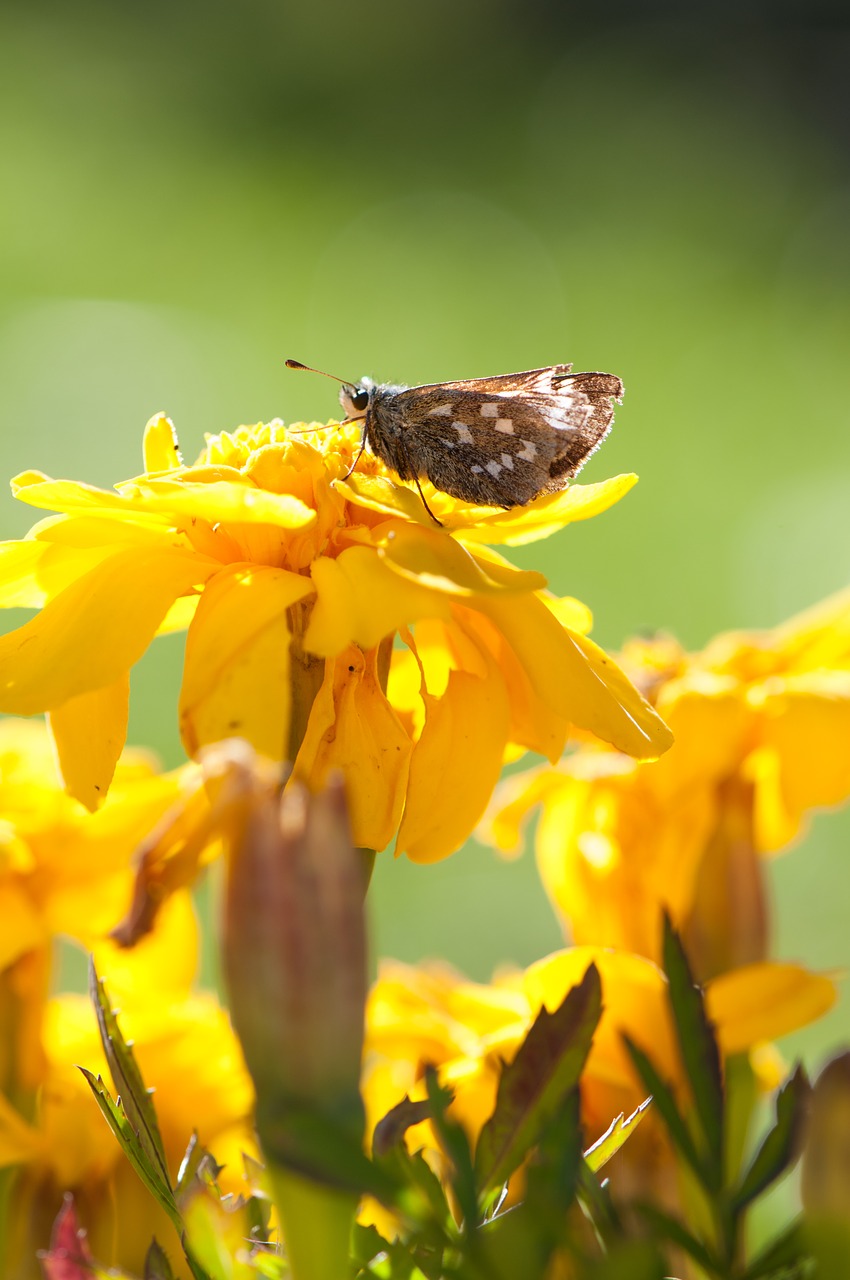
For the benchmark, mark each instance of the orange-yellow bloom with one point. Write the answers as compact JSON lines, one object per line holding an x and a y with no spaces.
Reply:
{"x":430,"y":1015}
{"x":64,"y":872}
{"x":186,"y":1051}
{"x":293,"y":582}
{"x":761,"y":722}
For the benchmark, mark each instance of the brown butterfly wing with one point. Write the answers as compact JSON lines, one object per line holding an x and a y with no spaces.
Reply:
{"x":499,"y":441}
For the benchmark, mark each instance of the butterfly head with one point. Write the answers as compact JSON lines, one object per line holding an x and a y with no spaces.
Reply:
{"x":355,"y":399}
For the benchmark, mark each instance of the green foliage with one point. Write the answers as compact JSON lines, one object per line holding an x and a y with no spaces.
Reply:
{"x":469,"y":1224}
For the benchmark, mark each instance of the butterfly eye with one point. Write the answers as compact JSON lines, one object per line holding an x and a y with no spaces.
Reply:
{"x":360,"y":399}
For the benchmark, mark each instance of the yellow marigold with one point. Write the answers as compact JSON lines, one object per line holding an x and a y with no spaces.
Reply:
{"x":430,"y":1015}
{"x":761,"y":722}
{"x":65,"y":872}
{"x":294,"y":583}
{"x":186,"y":1051}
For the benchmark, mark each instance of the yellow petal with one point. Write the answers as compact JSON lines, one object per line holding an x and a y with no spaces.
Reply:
{"x":543,"y":516}
{"x":455,"y":765}
{"x":39,"y":490}
{"x":511,"y":808}
{"x":536,"y":724}
{"x":236,"y":676}
{"x":353,"y":728}
{"x":221,"y":501}
{"x":23,"y":930}
{"x":90,"y":634}
{"x":160,"y":447}
{"x":802,"y":762}
{"x":577,"y":678}
{"x":361,"y":600}
{"x":430,"y":558}
{"x":89,"y":732}
{"x":764,"y":1001}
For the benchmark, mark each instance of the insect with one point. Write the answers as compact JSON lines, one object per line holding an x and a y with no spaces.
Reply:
{"x":497,"y":441}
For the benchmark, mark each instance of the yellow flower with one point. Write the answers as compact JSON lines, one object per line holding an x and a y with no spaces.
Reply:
{"x":186,"y":1051}
{"x":63,"y":872}
{"x":418,"y":1016}
{"x":294,"y":582}
{"x":761,"y":722}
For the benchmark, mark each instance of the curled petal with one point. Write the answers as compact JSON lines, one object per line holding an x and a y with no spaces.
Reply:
{"x":545,"y":515}
{"x":89,"y":732}
{"x":455,"y":764}
{"x":578,"y":679}
{"x":353,"y":728}
{"x":427,"y":556}
{"x":361,"y":600}
{"x":236,"y":678}
{"x":764,"y":1001}
{"x":90,"y":634}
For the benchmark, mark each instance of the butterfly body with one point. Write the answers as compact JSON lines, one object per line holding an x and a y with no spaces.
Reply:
{"x":497,"y":441}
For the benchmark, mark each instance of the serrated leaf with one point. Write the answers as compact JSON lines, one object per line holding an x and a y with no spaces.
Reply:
{"x":533,"y":1087}
{"x":157,"y":1266}
{"x":597,"y":1203}
{"x":455,"y":1144}
{"x":619,"y":1131}
{"x":127,"y":1078}
{"x":664,"y":1227}
{"x":128,"y":1139}
{"x":665,"y":1104}
{"x":781,"y":1147}
{"x":390,"y":1131}
{"x":699,"y":1051}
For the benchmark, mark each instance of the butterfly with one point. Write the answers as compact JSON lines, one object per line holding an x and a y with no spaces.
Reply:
{"x":499,"y":441}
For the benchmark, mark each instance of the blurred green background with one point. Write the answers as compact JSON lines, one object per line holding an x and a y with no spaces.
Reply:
{"x":192,"y":192}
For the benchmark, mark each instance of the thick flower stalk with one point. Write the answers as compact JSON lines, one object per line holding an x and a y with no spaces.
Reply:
{"x":330,"y":622}
{"x":761,"y":722}
{"x":295,"y":963}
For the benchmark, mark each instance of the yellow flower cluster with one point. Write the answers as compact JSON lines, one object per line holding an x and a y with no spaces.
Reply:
{"x":67,"y":872}
{"x":295,"y":583}
{"x":761,"y":721}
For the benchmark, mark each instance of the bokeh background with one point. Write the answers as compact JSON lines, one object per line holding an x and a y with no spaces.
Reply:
{"x":193,"y":191}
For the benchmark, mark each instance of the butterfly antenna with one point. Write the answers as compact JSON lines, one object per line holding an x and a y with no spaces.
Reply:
{"x":296,"y":364}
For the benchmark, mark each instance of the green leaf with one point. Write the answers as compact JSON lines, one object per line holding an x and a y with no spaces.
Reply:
{"x":136,"y":1152}
{"x":390,"y":1131}
{"x":699,"y":1050}
{"x":665,"y":1227}
{"x":157,"y":1266}
{"x":614,"y":1136}
{"x":533,"y":1087}
{"x":129,"y":1085}
{"x":782,"y":1145}
{"x":305,"y":1139}
{"x":456,"y":1146}
{"x":553,"y":1170}
{"x":783,"y":1255}
{"x":665,"y":1105}
{"x":595,"y":1199}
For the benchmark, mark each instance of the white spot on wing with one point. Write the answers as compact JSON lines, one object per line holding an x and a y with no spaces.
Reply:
{"x":464,"y":433}
{"x":442,"y":411}
{"x":528,"y":452}
{"x":505,"y":425}
{"x":489,"y":410}
{"x":495,"y":469}
{"x":476,"y":470}
{"x":507,"y":461}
